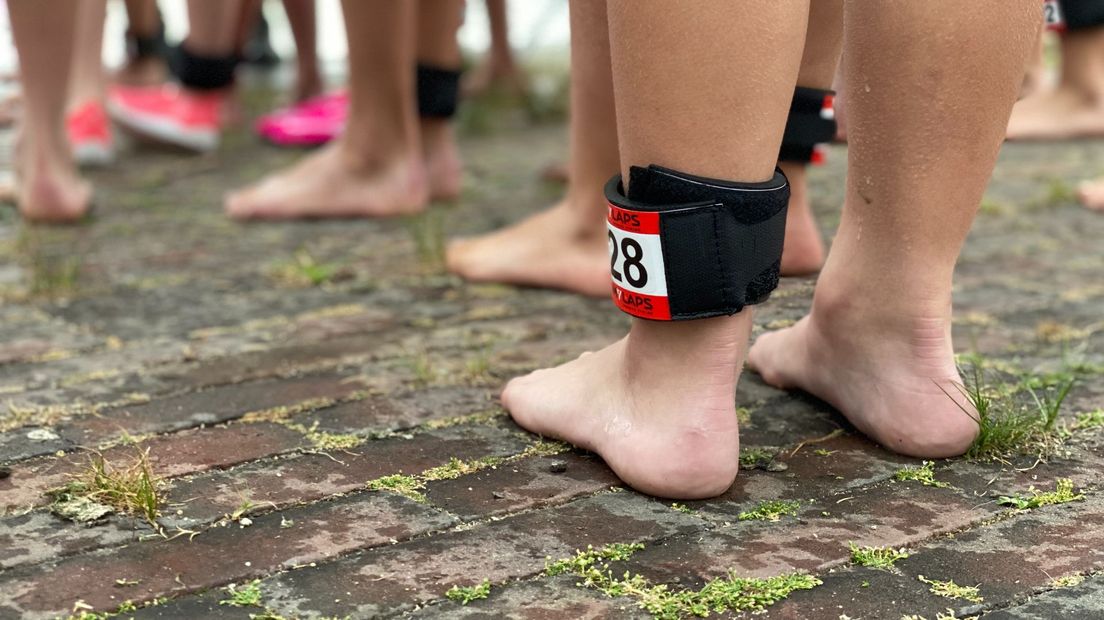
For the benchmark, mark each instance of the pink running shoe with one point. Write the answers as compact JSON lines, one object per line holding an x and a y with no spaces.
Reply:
{"x":89,"y":132}
{"x":170,"y":114}
{"x":311,"y":123}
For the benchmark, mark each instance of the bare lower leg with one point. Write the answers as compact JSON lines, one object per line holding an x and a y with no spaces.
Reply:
{"x":877,"y":343}
{"x":1075,"y":107}
{"x":804,"y":252}
{"x":87,"y":77}
{"x":659,"y":405}
{"x":50,"y":188}
{"x":497,"y":67}
{"x":144,"y":22}
{"x":304,"y":28}
{"x":213,"y":26}
{"x":565,"y":246}
{"x":375,"y":168}
{"x":438,"y":21}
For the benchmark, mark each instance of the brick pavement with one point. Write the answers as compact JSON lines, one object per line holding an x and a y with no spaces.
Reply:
{"x":270,"y":404}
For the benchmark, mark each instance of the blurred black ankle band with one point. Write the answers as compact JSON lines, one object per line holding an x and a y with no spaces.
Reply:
{"x":811,"y":123}
{"x":687,"y":247}
{"x":203,"y":72}
{"x":1081,"y":14}
{"x":152,"y":46}
{"x":438,"y":91}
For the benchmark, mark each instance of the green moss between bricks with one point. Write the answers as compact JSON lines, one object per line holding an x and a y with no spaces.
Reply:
{"x":876,"y":557}
{"x":925,"y":475}
{"x":950,"y":589}
{"x":1063,"y":493}
{"x":772,"y":510}
{"x":726,"y":594}
{"x":465,"y":595}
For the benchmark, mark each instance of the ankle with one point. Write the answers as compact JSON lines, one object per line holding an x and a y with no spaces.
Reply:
{"x":713,"y":348}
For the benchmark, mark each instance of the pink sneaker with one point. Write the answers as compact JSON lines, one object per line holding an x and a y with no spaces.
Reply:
{"x":170,"y":114}
{"x":89,"y":133}
{"x":310,"y":123}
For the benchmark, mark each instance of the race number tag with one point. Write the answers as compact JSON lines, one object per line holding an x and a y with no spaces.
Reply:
{"x":1052,"y":15}
{"x":636,"y":264}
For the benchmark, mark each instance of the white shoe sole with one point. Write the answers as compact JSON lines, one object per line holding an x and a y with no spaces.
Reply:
{"x":94,"y":155}
{"x":156,"y":127}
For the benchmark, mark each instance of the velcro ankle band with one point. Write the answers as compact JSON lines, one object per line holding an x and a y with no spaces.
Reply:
{"x":686,"y":247}
{"x":812,"y":123}
{"x":438,"y":92}
{"x":203,"y":72}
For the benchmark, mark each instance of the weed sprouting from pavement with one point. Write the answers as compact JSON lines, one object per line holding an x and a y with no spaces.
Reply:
{"x":407,"y":486}
{"x":882,"y":558}
{"x":465,"y":595}
{"x":950,"y":589}
{"x":583,"y":561}
{"x":925,"y":475}
{"x":1008,"y":426}
{"x":244,"y":595}
{"x":1063,"y":493}
{"x":102,"y":488}
{"x":772,"y":510}
{"x":1089,"y":420}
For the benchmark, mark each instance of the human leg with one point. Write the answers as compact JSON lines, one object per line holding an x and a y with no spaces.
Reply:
{"x":926,"y":116}
{"x":50,"y":190}
{"x":375,"y":168}
{"x":1075,"y":107}
{"x":659,"y":405}
{"x":565,"y":246}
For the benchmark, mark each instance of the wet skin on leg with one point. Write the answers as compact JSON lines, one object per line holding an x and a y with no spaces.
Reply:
{"x":877,"y":342}
{"x":659,"y":405}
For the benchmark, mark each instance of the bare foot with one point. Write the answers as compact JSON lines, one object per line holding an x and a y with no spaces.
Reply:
{"x":658,"y":406}
{"x":1091,"y":194}
{"x":331,"y":183}
{"x":442,"y":159}
{"x":1057,"y":115}
{"x":893,"y":375}
{"x":551,"y":249}
{"x":51,"y":192}
{"x":803,"y":252}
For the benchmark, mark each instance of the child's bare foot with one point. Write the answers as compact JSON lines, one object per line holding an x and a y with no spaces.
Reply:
{"x":891,"y":372}
{"x":552,"y":249}
{"x":50,"y":190}
{"x":1091,"y":194}
{"x":333,"y":183}
{"x":1058,"y":114}
{"x":658,"y":406}
{"x":803,"y":253}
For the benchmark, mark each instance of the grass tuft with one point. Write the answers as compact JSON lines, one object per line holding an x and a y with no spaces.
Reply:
{"x":103,"y":488}
{"x":925,"y":475}
{"x":1089,"y":420}
{"x":1009,"y":425}
{"x":471,"y":593}
{"x":882,"y":558}
{"x":950,"y":589}
{"x":1062,"y":494}
{"x":303,"y":270}
{"x":245,"y":595}
{"x":772,"y":510}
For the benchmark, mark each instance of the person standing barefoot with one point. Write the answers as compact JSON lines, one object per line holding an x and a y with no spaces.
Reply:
{"x":49,"y":187}
{"x":389,"y":161}
{"x":877,"y":343}
{"x":659,"y":405}
{"x":1075,"y":107}
{"x":563,"y":247}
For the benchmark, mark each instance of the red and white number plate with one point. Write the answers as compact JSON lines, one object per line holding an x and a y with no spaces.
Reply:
{"x":636,"y":264}
{"x":1052,"y":15}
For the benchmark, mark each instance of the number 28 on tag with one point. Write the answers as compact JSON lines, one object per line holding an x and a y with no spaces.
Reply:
{"x":636,"y":263}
